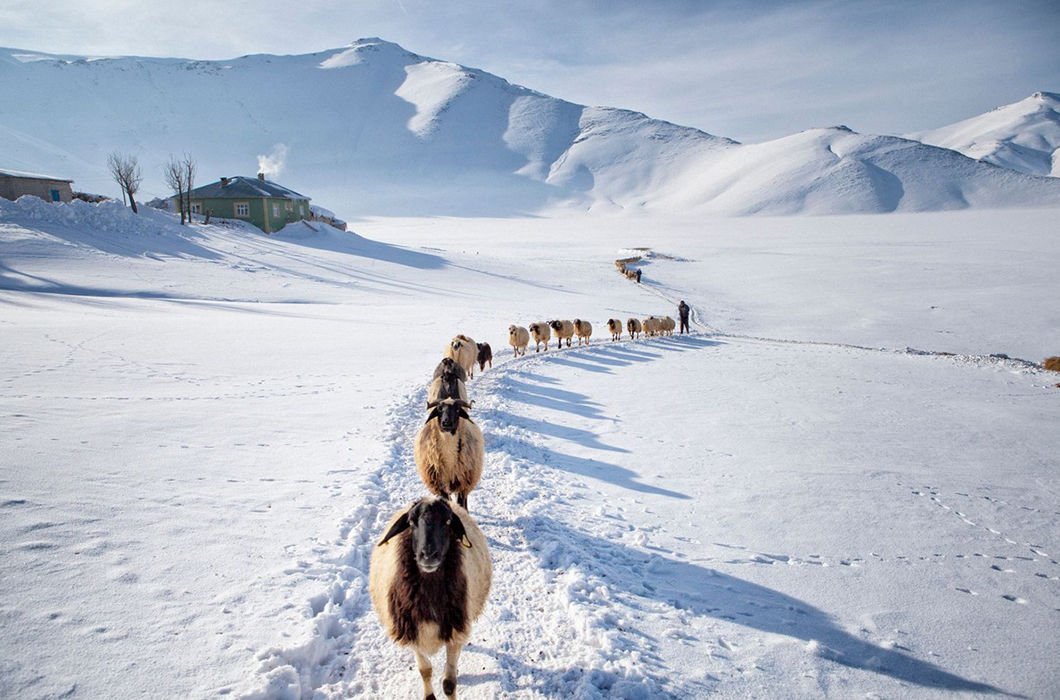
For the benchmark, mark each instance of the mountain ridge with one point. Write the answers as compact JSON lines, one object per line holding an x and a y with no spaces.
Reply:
{"x":372,"y":129}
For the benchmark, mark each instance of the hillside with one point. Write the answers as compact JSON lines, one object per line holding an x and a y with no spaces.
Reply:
{"x":372,"y":129}
{"x":206,"y":430}
{"x":1023,"y":136}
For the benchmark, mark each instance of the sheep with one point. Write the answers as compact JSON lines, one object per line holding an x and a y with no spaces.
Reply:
{"x":465,"y":351}
{"x":518,"y":337}
{"x":634,"y":326}
{"x":615,"y":326}
{"x":667,"y":325}
{"x":485,"y":354}
{"x":429,"y":579}
{"x":583,"y":329}
{"x":448,"y":382}
{"x":449,"y":450}
{"x":541,"y":334}
{"x":1052,"y":364}
{"x":650,"y":325}
{"x":563,"y":330}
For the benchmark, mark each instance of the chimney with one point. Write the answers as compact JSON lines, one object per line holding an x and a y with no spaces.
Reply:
{"x":261,"y":176}
{"x":224,"y":182}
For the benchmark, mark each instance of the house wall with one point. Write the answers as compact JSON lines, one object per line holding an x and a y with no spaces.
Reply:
{"x":260,"y":210}
{"x":12,"y":187}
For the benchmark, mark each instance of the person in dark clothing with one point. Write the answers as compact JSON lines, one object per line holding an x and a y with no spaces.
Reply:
{"x":638,"y":275}
{"x":682,"y":311}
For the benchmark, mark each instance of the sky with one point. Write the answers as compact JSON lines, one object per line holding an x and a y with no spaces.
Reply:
{"x":751,"y":71}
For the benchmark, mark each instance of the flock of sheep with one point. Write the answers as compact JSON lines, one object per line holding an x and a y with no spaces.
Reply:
{"x":541,"y":332}
{"x":431,"y":573}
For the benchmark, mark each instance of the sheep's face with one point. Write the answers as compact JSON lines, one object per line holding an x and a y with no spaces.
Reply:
{"x":434,"y":528}
{"x":448,"y":412}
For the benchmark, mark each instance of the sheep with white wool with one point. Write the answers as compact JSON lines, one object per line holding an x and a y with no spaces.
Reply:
{"x":582,"y":329}
{"x":564,"y":330}
{"x":667,"y":325}
{"x":449,"y":450}
{"x":650,"y":325}
{"x":541,"y":333}
{"x":518,"y":338}
{"x":465,"y":351}
{"x":614,"y":325}
{"x":429,"y":578}
{"x":634,"y":327}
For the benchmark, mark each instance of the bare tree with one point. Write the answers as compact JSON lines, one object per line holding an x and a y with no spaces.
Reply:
{"x":175,"y":176}
{"x":125,"y":170}
{"x":189,"y":180}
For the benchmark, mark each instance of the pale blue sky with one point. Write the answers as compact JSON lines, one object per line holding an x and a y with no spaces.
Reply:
{"x":750,"y":70}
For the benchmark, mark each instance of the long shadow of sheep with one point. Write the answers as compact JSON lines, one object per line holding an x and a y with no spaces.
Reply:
{"x":563,"y":432}
{"x":643,"y":580}
{"x":592,"y":468}
{"x":536,"y":393}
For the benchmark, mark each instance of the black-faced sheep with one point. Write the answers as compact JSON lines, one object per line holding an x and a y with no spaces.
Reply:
{"x":541,"y":334}
{"x":485,"y":354}
{"x":449,"y":450}
{"x":429,"y":578}
{"x":518,"y":338}
{"x":582,"y":329}
{"x":634,"y":327}
{"x":564,"y":330}
{"x":448,"y":382}
{"x":615,"y":327}
{"x":465,"y":351}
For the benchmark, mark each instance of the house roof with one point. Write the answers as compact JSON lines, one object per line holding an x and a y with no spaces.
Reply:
{"x":241,"y":186}
{"x":33,"y":176}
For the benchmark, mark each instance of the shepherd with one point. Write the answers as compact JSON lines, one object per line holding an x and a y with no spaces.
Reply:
{"x":682,"y":311}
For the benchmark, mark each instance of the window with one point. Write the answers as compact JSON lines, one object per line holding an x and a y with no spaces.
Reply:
{"x":55,"y":195}
{"x":242,"y":209}
{"x":196,"y":208}
{"x":288,"y":204}
{"x":275,"y":210}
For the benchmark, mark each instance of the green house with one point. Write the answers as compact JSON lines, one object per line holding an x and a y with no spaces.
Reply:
{"x":265,"y":204}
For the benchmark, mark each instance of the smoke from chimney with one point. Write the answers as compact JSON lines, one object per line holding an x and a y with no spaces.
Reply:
{"x":272,"y":164}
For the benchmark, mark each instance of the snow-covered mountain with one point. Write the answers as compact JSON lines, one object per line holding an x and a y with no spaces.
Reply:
{"x":1023,"y":136}
{"x":372,"y":129}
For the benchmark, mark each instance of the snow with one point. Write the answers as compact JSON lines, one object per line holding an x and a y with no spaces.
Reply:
{"x":833,"y":487}
{"x":398,"y":134}
{"x":1023,"y":136}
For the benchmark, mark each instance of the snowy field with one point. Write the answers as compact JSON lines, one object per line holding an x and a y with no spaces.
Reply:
{"x":831,"y":488}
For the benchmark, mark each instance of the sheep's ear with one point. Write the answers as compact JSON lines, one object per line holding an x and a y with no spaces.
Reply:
{"x":456,"y":529}
{"x":400,"y":526}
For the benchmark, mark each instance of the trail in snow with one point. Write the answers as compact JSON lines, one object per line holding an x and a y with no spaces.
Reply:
{"x":550,"y":628}
{"x":564,"y":616}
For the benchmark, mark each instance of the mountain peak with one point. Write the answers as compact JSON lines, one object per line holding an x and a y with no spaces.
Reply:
{"x":1022,"y":136}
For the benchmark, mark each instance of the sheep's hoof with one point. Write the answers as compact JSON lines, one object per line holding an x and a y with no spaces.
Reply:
{"x":449,"y":686}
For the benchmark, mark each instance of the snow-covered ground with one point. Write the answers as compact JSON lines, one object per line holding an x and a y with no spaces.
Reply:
{"x":204,"y":431}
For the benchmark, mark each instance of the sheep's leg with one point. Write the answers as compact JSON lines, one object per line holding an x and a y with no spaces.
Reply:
{"x":423,"y":662}
{"x":452,"y":655}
